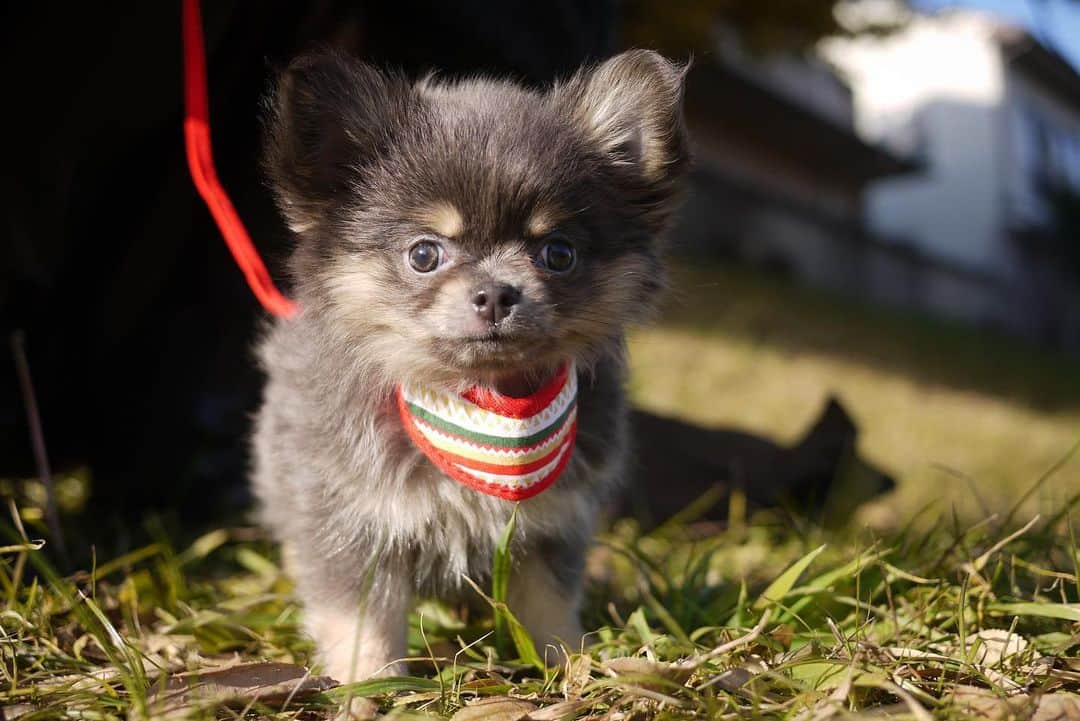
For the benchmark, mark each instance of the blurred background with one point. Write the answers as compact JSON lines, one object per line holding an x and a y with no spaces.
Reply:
{"x":884,"y":211}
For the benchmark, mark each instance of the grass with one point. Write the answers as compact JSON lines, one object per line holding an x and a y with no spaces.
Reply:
{"x":761,"y":619}
{"x":959,"y":416}
{"x":951,"y":599}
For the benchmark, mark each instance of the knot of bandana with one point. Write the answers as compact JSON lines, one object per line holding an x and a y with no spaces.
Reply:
{"x":508,"y":447}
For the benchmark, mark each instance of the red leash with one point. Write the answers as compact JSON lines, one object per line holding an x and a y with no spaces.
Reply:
{"x":201,"y":164}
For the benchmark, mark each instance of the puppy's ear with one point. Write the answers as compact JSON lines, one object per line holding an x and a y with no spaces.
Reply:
{"x":630,"y":107}
{"x":329,"y":117}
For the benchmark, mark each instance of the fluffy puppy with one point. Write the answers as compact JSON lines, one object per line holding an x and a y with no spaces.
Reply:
{"x":451,"y":235}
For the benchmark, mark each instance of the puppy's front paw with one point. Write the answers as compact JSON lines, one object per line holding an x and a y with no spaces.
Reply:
{"x":555,"y":645}
{"x":356,"y":644}
{"x":548,"y":610}
{"x":359,"y":668}
{"x":357,"y":709}
{"x":340,"y":663}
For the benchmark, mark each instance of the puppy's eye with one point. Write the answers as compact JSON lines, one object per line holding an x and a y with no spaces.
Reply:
{"x":558,"y":256}
{"x":425,"y":256}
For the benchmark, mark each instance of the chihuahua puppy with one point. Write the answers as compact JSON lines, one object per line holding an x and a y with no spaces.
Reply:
{"x":451,"y":236}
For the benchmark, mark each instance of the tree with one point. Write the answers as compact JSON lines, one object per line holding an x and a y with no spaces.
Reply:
{"x":680,"y":26}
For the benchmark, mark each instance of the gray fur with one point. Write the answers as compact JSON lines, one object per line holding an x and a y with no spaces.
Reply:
{"x":355,"y":157}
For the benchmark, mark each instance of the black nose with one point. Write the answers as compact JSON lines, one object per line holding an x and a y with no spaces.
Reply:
{"x":494,"y":301}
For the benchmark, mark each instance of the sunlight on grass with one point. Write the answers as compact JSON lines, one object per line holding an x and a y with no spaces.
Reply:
{"x":762,"y":619}
{"x":959,"y":418}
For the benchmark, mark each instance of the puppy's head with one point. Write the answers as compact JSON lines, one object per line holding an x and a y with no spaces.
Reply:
{"x":476,"y":231}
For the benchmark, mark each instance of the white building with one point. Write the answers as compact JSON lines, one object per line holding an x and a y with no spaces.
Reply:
{"x":994,"y":116}
{"x":780,"y":172}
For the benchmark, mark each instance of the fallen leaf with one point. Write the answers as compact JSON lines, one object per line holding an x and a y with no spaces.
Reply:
{"x":267,"y":683}
{"x":979,"y":702}
{"x":559,"y":711}
{"x":1057,"y":707}
{"x":997,"y":645}
{"x":984,"y":703}
{"x":578,"y":675}
{"x":15,"y":710}
{"x":497,"y":708}
{"x":642,"y":671}
{"x":732,"y":679}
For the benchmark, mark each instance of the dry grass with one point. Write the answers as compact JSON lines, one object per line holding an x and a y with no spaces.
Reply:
{"x":758,"y":620}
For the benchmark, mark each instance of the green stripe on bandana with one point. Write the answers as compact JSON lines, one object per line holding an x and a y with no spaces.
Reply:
{"x":498,"y":441}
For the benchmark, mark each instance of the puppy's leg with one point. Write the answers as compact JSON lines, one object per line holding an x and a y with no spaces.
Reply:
{"x":545,"y":595}
{"x":359,"y":635}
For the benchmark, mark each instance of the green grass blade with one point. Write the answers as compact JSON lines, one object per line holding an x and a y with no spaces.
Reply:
{"x":383,"y":686}
{"x":665,"y":617}
{"x":500,"y":578}
{"x":637,"y":621}
{"x":523,"y":642}
{"x":786,"y":580}
{"x":826,"y":580}
{"x":1067,"y":612}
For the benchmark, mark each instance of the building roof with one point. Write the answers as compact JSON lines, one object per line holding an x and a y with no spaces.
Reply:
{"x":725,"y":100}
{"x":1043,"y":64}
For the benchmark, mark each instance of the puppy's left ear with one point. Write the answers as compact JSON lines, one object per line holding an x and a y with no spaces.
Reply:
{"x":630,"y":108}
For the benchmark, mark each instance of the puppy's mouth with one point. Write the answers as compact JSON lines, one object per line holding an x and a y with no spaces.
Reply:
{"x":493,"y":336}
{"x":513,"y":364}
{"x":496,"y":341}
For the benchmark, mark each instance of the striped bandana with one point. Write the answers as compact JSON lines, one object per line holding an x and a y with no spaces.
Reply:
{"x":512,"y":448}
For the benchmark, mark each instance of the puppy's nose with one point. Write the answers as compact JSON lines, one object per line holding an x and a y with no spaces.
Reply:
{"x":494,"y":301}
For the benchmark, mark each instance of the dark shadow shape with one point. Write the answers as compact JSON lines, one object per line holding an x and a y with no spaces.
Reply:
{"x":677,"y":464}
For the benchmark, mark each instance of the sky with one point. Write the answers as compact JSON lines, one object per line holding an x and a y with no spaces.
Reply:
{"x":1055,"y":22}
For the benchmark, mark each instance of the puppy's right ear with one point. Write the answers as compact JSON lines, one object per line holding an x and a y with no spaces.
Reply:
{"x":328,"y":119}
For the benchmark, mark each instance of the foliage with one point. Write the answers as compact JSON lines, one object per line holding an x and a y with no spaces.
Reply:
{"x":683,"y":26}
{"x":763,"y":617}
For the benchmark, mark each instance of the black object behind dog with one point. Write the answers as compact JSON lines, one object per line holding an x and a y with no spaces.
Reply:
{"x":822,"y":475}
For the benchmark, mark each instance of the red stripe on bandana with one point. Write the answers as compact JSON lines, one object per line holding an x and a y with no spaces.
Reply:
{"x":464,"y":470}
{"x":512,"y":407}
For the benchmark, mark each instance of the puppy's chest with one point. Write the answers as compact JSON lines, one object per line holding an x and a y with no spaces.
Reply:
{"x":395,"y":500}
{"x":446,"y":531}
